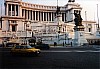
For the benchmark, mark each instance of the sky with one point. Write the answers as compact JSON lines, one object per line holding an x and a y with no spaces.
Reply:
{"x":90,"y":6}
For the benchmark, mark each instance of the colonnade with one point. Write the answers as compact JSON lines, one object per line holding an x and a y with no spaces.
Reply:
{"x":32,"y":14}
{"x":39,"y":15}
{"x":12,"y":10}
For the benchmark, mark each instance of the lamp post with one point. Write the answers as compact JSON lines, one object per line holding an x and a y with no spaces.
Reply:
{"x":65,"y":35}
{"x":65,"y":38}
{"x":58,"y":31}
{"x":97,"y":17}
{"x":26,"y":32}
{"x":26,"y":29}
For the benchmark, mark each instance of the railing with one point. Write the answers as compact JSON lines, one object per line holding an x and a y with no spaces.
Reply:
{"x":48,"y":34}
{"x":14,"y":23}
{"x":15,"y":34}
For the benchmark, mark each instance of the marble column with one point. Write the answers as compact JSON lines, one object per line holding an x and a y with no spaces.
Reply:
{"x":11,"y":10}
{"x":10,"y":26}
{"x":24,"y":13}
{"x":38,"y":15}
{"x":27,"y":14}
{"x":46,"y":15}
{"x":51,"y":16}
{"x":64,"y":17}
{"x":35,"y":15}
{"x":43,"y":16}
{"x":6,"y":9}
{"x":15,"y":10}
{"x":20,"y":11}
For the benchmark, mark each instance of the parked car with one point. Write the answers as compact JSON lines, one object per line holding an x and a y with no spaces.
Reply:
{"x":42,"y":46}
{"x":1,"y":45}
{"x":32,"y":45}
{"x":24,"y":49}
{"x":96,"y":47}
{"x":11,"y":44}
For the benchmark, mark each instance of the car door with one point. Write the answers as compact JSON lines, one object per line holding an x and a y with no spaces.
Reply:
{"x":24,"y":49}
{"x":21,"y":49}
{"x":16,"y":49}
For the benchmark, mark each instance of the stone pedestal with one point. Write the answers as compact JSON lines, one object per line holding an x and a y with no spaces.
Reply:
{"x":79,"y":37}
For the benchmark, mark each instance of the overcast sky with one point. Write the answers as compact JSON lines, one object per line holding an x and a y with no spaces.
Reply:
{"x":90,"y":6}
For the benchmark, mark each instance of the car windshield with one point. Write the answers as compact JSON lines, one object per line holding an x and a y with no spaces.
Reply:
{"x":23,"y":47}
{"x":28,"y":47}
{"x":17,"y":47}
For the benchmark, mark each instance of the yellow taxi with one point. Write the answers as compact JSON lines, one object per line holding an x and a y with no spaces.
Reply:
{"x":24,"y":49}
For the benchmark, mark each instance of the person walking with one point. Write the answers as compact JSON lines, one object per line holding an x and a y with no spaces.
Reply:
{"x":55,"y":44}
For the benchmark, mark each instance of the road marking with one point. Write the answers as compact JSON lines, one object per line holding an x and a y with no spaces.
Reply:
{"x":73,"y":51}
{"x":56,"y":51}
{"x":86,"y":51}
{"x":63,"y":51}
{"x":4,"y":51}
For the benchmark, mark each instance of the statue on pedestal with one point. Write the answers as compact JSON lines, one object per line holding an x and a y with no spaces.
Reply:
{"x":58,"y":10}
{"x":79,"y":37}
{"x":78,"y":19}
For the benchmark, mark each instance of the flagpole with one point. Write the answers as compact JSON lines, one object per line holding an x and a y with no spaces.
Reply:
{"x":97,"y":16}
{"x":57,"y":2}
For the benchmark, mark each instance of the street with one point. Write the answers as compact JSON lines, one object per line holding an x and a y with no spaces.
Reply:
{"x":55,"y":58}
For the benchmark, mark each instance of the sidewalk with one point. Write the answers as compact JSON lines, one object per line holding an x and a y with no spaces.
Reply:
{"x":71,"y":46}
{"x":68,"y":46}
{"x":5,"y":47}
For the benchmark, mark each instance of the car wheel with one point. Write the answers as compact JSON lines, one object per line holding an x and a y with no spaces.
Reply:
{"x":12,"y":53}
{"x":37,"y":53}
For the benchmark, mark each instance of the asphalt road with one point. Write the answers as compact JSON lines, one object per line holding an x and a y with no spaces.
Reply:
{"x":55,"y":58}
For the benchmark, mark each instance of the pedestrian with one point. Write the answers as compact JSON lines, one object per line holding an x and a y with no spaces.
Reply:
{"x":4,"y":44}
{"x":71,"y":44}
{"x":63,"y":43}
{"x":55,"y":44}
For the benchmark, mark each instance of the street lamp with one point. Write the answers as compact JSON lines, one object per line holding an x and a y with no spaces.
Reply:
{"x":26,"y":32}
{"x":65,"y":38}
{"x":25,"y":28}
{"x":58,"y":31}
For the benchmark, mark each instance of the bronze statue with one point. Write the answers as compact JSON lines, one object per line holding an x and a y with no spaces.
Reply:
{"x":58,"y":10}
{"x":78,"y":19}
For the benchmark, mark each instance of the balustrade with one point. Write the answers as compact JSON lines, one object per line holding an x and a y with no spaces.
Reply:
{"x":14,"y":34}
